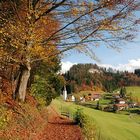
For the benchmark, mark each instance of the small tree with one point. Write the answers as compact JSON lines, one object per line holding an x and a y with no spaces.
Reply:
{"x":46,"y":83}
{"x":97,"y":105}
{"x":123,"y":92}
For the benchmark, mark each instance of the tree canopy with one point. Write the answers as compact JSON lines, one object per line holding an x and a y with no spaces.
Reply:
{"x":36,"y":30}
{"x":67,"y":24}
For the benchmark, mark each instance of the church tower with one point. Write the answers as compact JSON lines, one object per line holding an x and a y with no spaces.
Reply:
{"x":65,"y":93}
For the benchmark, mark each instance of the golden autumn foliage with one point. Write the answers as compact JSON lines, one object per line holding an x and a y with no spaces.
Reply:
{"x":19,"y":33}
{"x":21,"y":38}
{"x":38,"y":26}
{"x":34,"y":30}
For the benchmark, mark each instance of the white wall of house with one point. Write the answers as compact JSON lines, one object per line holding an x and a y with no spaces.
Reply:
{"x":97,"y":99}
{"x":121,"y":102}
{"x":72,"y":98}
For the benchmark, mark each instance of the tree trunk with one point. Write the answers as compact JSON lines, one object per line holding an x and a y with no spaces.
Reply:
{"x":21,"y":87}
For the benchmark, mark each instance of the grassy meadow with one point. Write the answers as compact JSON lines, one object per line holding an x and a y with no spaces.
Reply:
{"x":135,"y":90}
{"x":82,"y":93}
{"x":109,"y":126}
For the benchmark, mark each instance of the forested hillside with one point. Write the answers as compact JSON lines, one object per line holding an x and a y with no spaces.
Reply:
{"x":93,"y":77}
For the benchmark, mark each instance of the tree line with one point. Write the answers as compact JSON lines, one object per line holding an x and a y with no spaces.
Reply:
{"x":93,"y":77}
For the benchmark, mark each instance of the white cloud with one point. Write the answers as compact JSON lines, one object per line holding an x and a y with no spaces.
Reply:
{"x":66,"y":66}
{"x":130,"y":66}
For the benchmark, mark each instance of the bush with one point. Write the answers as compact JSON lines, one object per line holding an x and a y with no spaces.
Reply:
{"x":79,"y":117}
{"x":43,"y":91}
{"x":88,"y":128}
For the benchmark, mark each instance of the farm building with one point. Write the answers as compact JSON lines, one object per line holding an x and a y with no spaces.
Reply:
{"x":93,"y":97}
{"x":120,"y":106}
{"x":120,"y":101}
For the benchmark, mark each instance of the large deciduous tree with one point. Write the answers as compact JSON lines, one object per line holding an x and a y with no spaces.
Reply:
{"x":34,"y":30}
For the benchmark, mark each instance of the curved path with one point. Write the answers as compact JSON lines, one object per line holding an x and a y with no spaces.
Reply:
{"x":60,"y":128}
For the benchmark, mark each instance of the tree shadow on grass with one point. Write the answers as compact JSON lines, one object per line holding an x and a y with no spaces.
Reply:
{"x":88,"y":105}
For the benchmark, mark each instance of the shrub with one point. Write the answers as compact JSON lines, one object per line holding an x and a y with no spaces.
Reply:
{"x":88,"y":127}
{"x":79,"y":117}
{"x":43,"y":91}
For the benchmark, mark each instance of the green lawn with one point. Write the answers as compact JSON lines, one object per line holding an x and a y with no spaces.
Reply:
{"x":111,"y":126}
{"x":135,"y":90}
{"x":82,"y":93}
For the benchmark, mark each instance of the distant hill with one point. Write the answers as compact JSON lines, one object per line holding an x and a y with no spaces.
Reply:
{"x":92,"y":77}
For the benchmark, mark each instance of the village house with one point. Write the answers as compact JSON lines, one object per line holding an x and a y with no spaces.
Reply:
{"x":96,"y":97}
{"x":120,"y":107}
{"x":132,"y":105}
{"x":120,"y":101}
{"x":93,"y":97}
{"x":73,"y":98}
{"x":89,"y":97}
{"x":82,"y":99}
{"x":70,"y":98}
{"x":116,"y":95}
{"x":120,"y":104}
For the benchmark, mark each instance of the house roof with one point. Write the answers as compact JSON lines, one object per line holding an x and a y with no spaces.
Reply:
{"x":121,"y":105}
{"x":120,"y":99}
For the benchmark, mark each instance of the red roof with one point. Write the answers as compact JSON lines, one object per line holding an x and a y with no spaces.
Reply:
{"x":121,"y":105}
{"x":120,"y":99}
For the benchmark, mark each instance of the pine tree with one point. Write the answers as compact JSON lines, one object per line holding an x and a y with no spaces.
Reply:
{"x":123,"y":92}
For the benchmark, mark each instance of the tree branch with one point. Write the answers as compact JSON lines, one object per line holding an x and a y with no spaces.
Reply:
{"x":51,"y":9}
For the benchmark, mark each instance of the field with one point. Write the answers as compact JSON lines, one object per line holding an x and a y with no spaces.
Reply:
{"x":135,"y":90}
{"x":82,"y":93}
{"x":110,"y":126}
